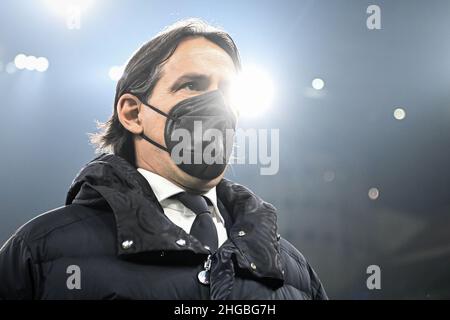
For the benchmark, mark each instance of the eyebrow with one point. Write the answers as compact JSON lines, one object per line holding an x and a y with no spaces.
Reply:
{"x":186,"y":78}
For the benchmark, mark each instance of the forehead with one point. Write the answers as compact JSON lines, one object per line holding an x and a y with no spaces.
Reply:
{"x":199,"y":55}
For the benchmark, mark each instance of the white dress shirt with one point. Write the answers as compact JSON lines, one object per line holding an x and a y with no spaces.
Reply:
{"x":177,"y":212}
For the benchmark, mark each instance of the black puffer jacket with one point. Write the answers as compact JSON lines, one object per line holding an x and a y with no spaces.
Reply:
{"x":114,"y":231}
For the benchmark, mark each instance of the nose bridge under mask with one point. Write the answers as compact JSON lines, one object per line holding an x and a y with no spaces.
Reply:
{"x":198,"y":100}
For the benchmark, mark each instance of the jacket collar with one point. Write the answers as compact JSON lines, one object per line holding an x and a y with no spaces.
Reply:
{"x":142,"y":226}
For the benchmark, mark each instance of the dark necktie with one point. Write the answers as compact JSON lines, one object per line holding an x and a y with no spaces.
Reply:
{"x":203,"y":228}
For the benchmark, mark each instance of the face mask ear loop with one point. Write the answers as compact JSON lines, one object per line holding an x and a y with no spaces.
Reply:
{"x":159,"y":111}
{"x":143,"y":136}
{"x":156,"y":144}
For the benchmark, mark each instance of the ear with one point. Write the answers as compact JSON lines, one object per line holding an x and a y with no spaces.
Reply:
{"x":128,"y":108}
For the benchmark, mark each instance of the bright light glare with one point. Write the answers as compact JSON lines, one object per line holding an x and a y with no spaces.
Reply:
{"x":41,"y":64}
{"x":116,"y":72}
{"x":62,"y":7}
{"x":30,"y":63}
{"x":399,"y":113}
{"x":10,"y":68}
{"x":374,"y":193}
{"x":20,"y":61}
{"x":318,"y":84}
{"x":252,"y":92}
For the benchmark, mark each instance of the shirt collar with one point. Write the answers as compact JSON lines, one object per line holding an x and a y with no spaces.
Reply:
{"x":164,"y":189}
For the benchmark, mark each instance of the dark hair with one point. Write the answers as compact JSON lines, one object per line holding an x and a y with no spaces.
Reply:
{"x":143,"y":71}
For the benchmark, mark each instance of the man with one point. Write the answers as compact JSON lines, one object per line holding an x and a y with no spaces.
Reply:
{"x":139,"y":225}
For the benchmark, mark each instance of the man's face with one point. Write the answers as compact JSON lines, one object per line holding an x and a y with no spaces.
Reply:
{"x":197,"y":66}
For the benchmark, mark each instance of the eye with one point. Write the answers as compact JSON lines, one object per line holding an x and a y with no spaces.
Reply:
{"x":189,"y":86}
{"x":194,"y":86}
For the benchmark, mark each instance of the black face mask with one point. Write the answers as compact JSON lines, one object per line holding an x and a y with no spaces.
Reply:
{"x":209,"y":111}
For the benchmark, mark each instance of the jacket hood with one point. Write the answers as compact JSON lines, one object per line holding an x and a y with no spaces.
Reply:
{"x":110,"y":182}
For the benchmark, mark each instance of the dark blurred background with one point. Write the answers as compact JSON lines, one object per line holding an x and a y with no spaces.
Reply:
{"x":364,"y":162}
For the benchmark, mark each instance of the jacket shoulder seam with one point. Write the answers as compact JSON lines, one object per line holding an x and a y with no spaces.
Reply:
{"x":46,"y":233}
